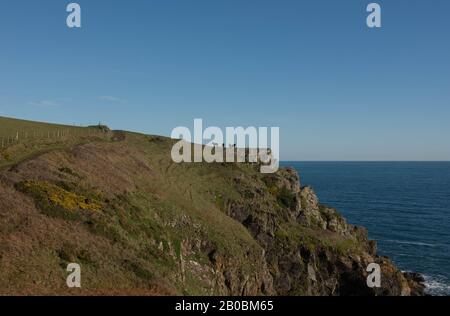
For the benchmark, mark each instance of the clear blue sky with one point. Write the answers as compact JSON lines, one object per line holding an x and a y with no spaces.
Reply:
{"x":337,"y":89}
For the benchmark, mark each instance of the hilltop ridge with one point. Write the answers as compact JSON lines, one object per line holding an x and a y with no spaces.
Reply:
{"x":137,"y":223}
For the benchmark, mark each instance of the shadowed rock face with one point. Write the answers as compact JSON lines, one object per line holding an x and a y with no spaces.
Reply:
{"x":311,"y":250}
{"x":140,"y":224}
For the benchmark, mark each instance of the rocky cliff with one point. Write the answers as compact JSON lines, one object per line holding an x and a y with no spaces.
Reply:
{"x":138,"y":223}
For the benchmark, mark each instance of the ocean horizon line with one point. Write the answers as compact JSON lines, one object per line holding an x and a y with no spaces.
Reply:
{"x":366,"y":161}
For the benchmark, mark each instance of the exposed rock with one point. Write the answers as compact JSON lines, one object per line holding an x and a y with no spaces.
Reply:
{"x":164,"y":228}
{"x":310,"y":266}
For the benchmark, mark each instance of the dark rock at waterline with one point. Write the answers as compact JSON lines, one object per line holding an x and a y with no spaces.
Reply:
{"x":416,"y":282}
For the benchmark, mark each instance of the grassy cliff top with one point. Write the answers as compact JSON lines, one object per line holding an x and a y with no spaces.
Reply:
{"x":138,"y":223}
{"x":22,"y":139}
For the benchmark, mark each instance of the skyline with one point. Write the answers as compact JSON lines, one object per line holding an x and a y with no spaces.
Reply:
{"x":338,"y":90}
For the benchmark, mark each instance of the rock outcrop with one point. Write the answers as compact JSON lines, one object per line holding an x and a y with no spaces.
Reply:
{"x":140,"y":224}
{"x":310,"y":248}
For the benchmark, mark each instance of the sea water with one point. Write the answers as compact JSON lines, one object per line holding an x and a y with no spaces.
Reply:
{"x":404,"y":205}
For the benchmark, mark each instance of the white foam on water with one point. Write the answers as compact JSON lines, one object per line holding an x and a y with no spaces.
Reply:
{"x":436,"y":286}
{"x":410,"y":243}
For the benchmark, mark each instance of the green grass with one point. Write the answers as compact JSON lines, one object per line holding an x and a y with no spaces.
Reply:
{"x":10,"y":127}
{"x":21,"y":139}
{"x":139,"y":214}
{"x":314,"y":239}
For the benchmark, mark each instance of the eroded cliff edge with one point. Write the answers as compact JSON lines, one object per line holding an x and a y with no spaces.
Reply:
{"x":138,"y":223}
{"x":310,"y":248}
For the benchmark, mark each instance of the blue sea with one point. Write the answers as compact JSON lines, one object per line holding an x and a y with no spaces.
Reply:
{"x":404,"y":205}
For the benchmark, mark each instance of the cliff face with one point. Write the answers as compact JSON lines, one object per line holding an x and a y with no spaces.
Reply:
{"x":139,"y":224}
{"x":309,"y":248}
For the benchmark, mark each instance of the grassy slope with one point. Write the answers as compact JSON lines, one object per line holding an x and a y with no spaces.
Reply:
{"x":162,"y":205}
{"x":21,"y":139}
{"x":137,"y":222}
{"x":10,"y":126}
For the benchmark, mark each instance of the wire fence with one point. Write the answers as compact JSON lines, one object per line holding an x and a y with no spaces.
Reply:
{"x":26,"y":136}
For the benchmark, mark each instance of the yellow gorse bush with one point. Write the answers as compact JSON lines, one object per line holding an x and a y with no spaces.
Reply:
{"x":61,"y":197}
